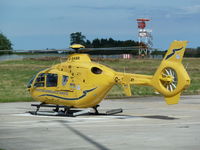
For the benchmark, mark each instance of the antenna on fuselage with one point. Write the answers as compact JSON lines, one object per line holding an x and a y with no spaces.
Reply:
{"x":76,"y":47}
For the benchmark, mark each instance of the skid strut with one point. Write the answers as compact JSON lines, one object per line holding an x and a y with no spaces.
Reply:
{"x":96,"y":112}
{"x":38,"y":107}
{"x":56,"y":110}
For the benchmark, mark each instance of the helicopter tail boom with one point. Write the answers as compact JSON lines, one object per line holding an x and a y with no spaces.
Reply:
{"x":170,"y":79}
{"x":126,"y":79}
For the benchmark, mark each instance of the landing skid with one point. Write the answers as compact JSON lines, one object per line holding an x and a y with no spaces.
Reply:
{"x":69,"y":111}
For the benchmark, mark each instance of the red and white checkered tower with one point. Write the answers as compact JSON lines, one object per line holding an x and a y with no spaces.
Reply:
{"x":144,"y":37}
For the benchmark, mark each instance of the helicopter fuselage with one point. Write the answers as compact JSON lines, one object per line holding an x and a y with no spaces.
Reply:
{"x":78,"y":82}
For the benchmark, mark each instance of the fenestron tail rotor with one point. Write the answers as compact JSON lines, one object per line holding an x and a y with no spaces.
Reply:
{"x":169,"y":79}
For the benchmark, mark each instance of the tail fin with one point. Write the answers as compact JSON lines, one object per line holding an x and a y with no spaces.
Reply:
{"x":171,"y":77}
{"x":176,"y":51}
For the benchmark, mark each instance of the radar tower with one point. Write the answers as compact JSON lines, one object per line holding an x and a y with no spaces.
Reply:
{"x":144,"y":37}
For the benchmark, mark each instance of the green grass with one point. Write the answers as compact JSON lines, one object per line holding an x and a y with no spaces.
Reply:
{"x":14,"y":75}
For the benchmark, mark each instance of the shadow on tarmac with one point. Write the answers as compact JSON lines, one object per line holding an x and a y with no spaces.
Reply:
{"x":86,"y":138}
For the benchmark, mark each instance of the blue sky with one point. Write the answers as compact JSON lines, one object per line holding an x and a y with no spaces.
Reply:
{"x":41,"y":24}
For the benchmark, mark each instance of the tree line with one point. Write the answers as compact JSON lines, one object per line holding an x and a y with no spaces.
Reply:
{"x":192,"y":52}
{"x":189,"y":52}
{"x":79,"y":38}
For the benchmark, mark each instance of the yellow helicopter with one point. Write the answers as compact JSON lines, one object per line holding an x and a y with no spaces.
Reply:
{"x":81,"y":83}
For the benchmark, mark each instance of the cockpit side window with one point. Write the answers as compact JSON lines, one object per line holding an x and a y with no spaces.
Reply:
{"x":64,"y":80}
{"x":39,"y":82}
{"x":51,"y":80}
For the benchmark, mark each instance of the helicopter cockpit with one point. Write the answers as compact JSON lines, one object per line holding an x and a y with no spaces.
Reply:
{"x":47,"y":80}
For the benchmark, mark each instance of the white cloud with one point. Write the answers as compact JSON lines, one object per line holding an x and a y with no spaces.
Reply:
{"x":195,"y":9}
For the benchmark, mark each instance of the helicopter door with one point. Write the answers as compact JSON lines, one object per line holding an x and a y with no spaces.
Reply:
{"x":63,"y":84}
{"x":51,"y":80}
{"x":64,"y":80}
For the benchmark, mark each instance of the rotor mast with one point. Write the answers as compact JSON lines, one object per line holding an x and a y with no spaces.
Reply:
{"x":77,"y":47}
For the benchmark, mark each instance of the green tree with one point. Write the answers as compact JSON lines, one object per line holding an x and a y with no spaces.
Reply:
{"x":5,"y":44}
{"x":99,"y":43}
{"x":96,"y":43}
{"x":77,"y":38}
{"x":88,"y":44}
